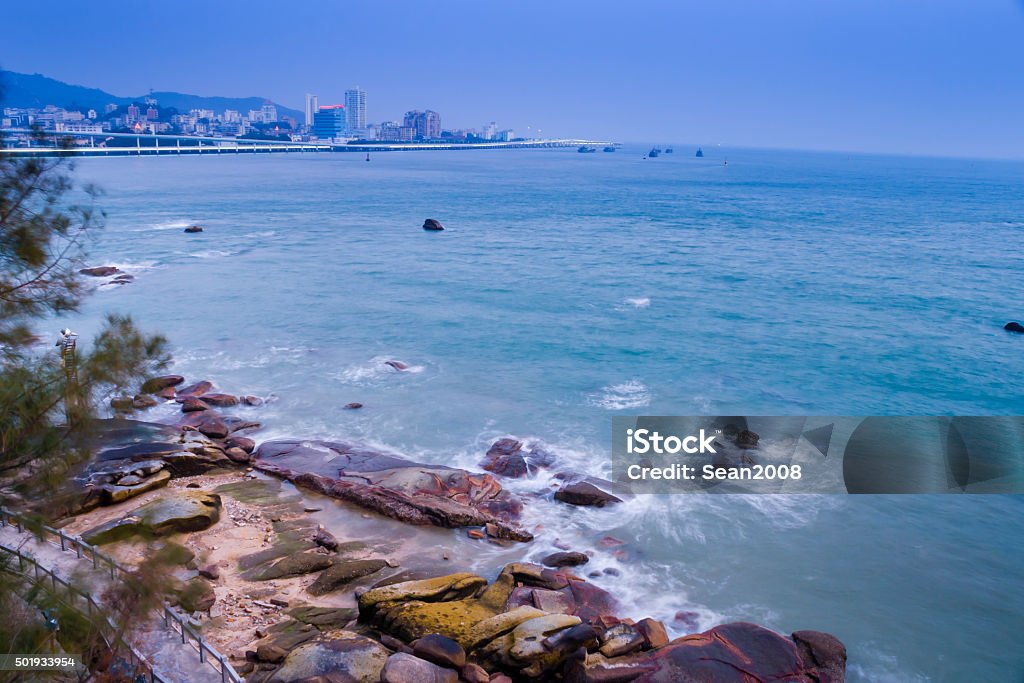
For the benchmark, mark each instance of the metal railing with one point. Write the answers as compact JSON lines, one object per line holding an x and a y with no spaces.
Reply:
{"x":172,"y":618}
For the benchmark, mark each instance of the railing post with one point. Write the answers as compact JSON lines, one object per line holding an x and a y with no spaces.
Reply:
{"x":61,"y":535}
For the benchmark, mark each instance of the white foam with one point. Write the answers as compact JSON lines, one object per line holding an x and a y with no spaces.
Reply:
{"x":638,"y":302}
{"x":213,"y":253}
{"x":625,"y":396}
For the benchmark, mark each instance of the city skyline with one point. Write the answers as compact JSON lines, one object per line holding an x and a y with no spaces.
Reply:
{"x":937,"y":78}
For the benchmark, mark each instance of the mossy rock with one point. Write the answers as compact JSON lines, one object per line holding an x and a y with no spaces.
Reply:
{"x":344,"y":572}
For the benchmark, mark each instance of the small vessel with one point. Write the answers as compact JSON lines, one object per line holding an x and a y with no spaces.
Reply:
{"x":609,"y":149}
{"x":586,"y":150}
{"x":668,"y":150}
{"x":700,"y":153}
{"x":654,"y":152}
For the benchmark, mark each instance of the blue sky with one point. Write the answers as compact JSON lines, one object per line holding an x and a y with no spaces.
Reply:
{"x":936,"y":77}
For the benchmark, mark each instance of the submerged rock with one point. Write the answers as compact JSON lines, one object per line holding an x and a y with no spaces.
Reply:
{"x":1014,"y":327}
{"x":432,"y":224}
{"x":413,"y":492}
{"x":194,"y":229}
{"x":100,"y":271}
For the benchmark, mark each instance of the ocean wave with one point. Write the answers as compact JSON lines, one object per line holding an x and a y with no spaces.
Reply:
{"x":638,"y":302}
{"x":213,"y":253}
{"x":170,"y":225}
{"x":625,"y":396}
{"x":375,"y":370}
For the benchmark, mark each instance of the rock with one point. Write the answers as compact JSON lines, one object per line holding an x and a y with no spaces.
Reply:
{"x":100,"y":271}
{"x":413,"y":492}
{"x":619,"y":640}
{"x":142,"y":402}
{"x":506,"y":457}
{"x":210,"y":571}
{"x":221,"y":400}
{"x":585,"y":493}
{"x":197,"y":595}
{"x":353,"y":406}
{"x":268,"y":652}
{"x":194,"y":229}
{"x":747,"y":439}
{"x":207,"y":423}
{"x":568,"y":559}
{"x":474,"y":673}
{"x":156,"y":384}
{"x":440,"y":650}
{"x":405,"y":668}
{"x":325,"y":539}
{"x":246,"y":444}
{"x":252,"y":400}
{"x":123,"y":279}
{"x":178,"y":511}
{"x":237,"y":455}
{"x":131,"y":486}
{"x":193,"y":405}
{"x":732,"y":653}
{"x":288,"y":566}
{"x":323,"y":618}
{"x":653,"y":632}
{"x":350,"y":656}
{"x":125,"y":403}
{"x":396,"y":364}
{"x":1014,"y":327}
{"x":432,"y":224}
{"x":344,"y":572}
{"x":167,"y":393}
{"x":195,"y":390}
{"x":824,"y":652}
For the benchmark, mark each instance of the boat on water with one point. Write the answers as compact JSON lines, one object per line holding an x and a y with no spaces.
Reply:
{"x":609,"y":149}
{"x":700,"y":153}
{"x":654,"y":152}
{"x":668,"y":150}
{"x":586,"y":150}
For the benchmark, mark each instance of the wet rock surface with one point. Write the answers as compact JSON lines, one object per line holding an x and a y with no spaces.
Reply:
{"x":509,"y":458}
{"x":413,"y":492}
{"x":586,"y":494}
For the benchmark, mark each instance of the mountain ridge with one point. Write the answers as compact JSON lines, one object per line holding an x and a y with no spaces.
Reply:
{"x":37,"y":90}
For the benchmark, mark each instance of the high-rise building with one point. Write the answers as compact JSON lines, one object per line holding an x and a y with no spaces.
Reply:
{"x":269,"y":113}
{"x":312,"y":107}
{"x":427,"y":124}
{"x":355,"y":108}
{"x":329,"y":121}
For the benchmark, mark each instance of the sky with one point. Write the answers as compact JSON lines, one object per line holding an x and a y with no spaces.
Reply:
{"x":933,"y":77}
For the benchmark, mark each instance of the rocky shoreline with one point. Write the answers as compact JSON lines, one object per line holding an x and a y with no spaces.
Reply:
{"x":290,"y":600}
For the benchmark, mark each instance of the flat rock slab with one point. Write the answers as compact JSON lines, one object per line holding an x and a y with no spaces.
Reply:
{"x":180,"y":510}
{"x":413,"y":492}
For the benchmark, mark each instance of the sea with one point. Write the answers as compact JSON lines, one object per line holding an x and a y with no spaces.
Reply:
{"x":569,"y":288}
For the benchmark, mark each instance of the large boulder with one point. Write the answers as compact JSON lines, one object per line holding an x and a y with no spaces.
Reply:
{"x":733,"y":653}
{"x":154,"y":385}
{"x":100,"y":271}
{"x":413,"y":492}
{"x":585,"y":493}
{"x":180,"y":510}
{"x":349,"y":656}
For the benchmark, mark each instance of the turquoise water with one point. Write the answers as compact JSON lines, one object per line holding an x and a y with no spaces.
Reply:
{"x":569,"y":288}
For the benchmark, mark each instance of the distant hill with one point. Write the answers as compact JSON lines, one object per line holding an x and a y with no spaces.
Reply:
{"x":36,"y":90}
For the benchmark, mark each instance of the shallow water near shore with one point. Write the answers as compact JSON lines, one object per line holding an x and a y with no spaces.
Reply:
{"x":569,"y":288}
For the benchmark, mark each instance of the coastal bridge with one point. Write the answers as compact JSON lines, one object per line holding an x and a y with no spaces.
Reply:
{"x":97,"y":144}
